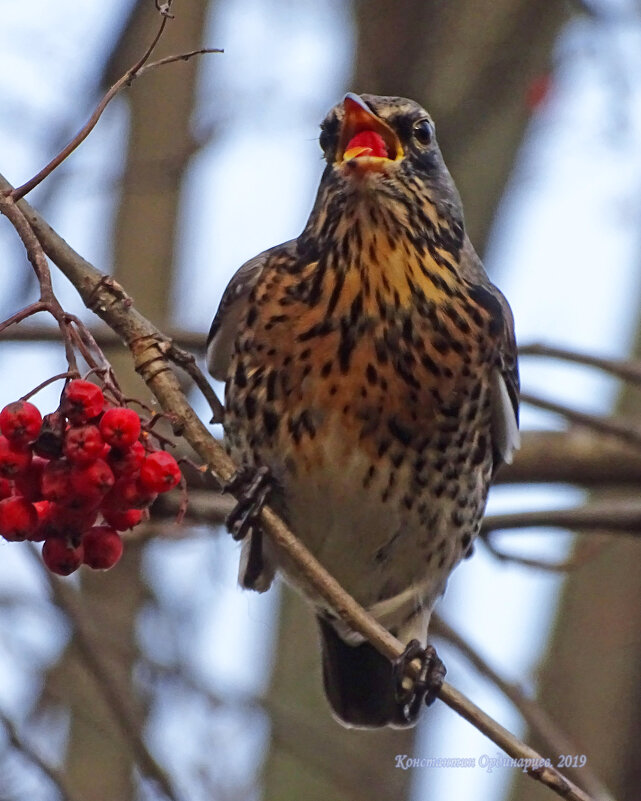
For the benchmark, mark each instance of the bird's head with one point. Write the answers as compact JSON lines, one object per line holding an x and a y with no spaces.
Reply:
{"x":382,"y":152}
{"x":366,"y":134}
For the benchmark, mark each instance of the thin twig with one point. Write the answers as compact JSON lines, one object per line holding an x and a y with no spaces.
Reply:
{"x":624,"y":369}
{"x":46,"y":383}
{"x":21,"y":315}
{"x":546,"y":729}
{"x":145,"y":343}
{"x":622,"y":517}
{"x":104,"y":337}
{"x":36,"y":256}
{"x":125,"y":80}
{"x":55,"y":776}
{"x":628,"y":434}
{"x":177,"y":57}
{"x":113,"y":691}
{"x":187,"y":362}
{"x":588,"y":552}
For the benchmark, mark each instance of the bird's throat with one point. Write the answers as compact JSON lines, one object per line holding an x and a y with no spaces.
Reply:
{"x":386,"y":267}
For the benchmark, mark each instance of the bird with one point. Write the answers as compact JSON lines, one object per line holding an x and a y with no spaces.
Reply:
{"x":372,"y":391}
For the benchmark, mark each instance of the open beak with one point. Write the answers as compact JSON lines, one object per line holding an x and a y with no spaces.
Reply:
{"x":364,"y":137}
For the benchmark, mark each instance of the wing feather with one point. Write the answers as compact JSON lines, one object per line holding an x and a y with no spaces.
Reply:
{"x":505,"y":378}
{"x":222,"y":334}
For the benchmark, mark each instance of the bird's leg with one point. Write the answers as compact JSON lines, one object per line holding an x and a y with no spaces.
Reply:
{"x":410,"y":692}
{"x":251,"y":487}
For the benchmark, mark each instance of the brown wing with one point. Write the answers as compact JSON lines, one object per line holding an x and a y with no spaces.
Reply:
{"x":505,"y":380}
{"x":220,"y":341}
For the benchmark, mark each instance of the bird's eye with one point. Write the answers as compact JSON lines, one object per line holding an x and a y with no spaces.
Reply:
{"x":324,"y":140}
{"x":423,"y":132}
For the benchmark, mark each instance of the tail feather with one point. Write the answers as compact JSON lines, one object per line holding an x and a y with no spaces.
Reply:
{"x":359,"y":682}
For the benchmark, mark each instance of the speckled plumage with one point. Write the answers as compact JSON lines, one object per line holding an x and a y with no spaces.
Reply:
{"x":371,"y":366}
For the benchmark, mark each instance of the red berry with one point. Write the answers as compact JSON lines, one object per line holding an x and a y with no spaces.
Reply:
{"x":62,"y":557}
{"x":159,"y":472}
{"x":29,"y":483}
{"x":81,"y":401}
{"x":56,"y":484}
{"x":83,"y":444}
{"x":44,"y":528}
{"x":123,"y":519}
{"x":127,"y":462}
{"x":120,"y":427}
{"x":71,"y":521}
{"x":102,"y":547}
{"x":13,"y":460}
{"x":92,"y":481}
{"x":18,"y":519}
{"x":537,"y":92}
{"x":6,"y":488}
{"x":128,"y":493}
{"x":20,"y":422}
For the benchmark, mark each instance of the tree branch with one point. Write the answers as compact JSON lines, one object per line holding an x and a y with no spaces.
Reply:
{"x":574,"y":561}
{"x":577,"y":456}
{"x":627,"y":434}
{"x":114,"y":692}
{"x":608,"y":516}
{"x":546,"y":729}
{"x":127,"y":79}
{"x":27,"y":750}
{"x":625,"y":369}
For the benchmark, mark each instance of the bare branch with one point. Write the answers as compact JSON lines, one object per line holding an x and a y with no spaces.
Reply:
{"x":46,"y":383}
{"x":576,"y":457}
{"x":114,"y":691}
{"x":622,"y":517}
{"x":21,"y":315}
{"x":628,"y":434}
{"x":576,"y":560}
{"x":177,"y":57}
{"x":105,"y":337}
{"x":187,"y":362}
{"x":35,"y":254}
{"x":626,"y":370}
{"x":127,"y":79}
{"x":27,"y":750}
{"x":546,"y":729}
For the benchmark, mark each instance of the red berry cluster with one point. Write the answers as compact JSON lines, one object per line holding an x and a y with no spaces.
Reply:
{"x":58,"y":475}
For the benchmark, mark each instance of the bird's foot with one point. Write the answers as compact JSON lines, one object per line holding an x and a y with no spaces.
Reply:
{"x":251,"y":487}
{"x":412,"y":692}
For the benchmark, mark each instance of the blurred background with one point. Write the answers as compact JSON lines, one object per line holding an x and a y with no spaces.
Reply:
{"x":161,"y":679}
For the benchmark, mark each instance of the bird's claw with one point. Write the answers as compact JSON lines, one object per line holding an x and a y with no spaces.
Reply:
{"x":410,"y":692}
{"x":251,"y":487}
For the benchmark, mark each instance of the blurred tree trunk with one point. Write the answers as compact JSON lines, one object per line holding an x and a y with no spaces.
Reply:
{"x":590,"y":677}
{"x":99,"y":761}
{"x":470,"y":64}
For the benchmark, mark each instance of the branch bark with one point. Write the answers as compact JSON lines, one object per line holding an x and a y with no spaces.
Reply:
{"x":26,"y":749}
{"x":578,"y":456}
{"x":548,"y":731}
{"x":616,"y":516}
